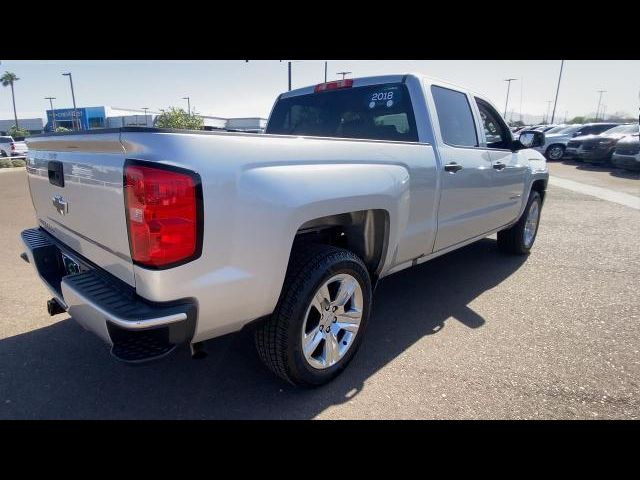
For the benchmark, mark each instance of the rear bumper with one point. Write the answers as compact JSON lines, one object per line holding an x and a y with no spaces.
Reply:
{"x":136,"y":329}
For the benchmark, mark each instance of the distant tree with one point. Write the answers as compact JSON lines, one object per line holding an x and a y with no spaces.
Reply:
{"x":578,"y":120}
{"x":8,"y":80}
{"x":517,"y":123}
{"x":178,"y":118}
{"x":62,"y":129}
{"x":18,"y":132}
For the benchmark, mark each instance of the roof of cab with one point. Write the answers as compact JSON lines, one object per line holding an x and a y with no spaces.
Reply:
{"x":380,"y":79}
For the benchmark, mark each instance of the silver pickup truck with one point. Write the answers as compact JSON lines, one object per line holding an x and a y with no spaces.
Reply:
{"x":155,"y":238}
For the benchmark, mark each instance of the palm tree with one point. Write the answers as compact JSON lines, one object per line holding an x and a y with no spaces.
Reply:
{"x":7,"y":80}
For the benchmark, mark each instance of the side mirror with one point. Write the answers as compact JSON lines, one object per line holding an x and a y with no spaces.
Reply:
{"x":531,"y":139}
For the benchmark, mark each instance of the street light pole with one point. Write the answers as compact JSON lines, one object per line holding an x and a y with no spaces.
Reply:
{"x":325,"y":71}
{"x":188,"y":99}
{"x":53,"y":112}
{"x":344,"y":74}
{"x":599,"y":100}
{"x":546,"y":117}
{"x":73,"y":97}
{"x":146,"y":122}
{"x":289,"y":67}
{"x":553,"y":115}
{"x":508,"y":80}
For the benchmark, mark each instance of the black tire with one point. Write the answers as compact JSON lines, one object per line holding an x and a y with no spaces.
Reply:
{"x":3,"y":153}
{"x":278,"y":339}
{"x":550,"y":152}
{"x":512,"y":239}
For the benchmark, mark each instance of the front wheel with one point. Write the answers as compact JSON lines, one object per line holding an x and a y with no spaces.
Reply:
{"x":320,"y":318}
{"x":554,"y":152}
{"x":519,"y":238}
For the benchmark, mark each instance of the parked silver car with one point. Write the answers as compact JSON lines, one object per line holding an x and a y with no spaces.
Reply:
{"x":556,"y":141}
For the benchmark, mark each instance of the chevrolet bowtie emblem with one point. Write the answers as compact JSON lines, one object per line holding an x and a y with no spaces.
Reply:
{"x":60,"y":204}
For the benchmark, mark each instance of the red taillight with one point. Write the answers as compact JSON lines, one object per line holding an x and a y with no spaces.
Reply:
{"x":13,"y":146}
{"x":346,"y":83}
{"x":162,"y":215}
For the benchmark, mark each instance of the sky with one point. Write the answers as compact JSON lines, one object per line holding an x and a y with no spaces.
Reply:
{"x":235,"y":88}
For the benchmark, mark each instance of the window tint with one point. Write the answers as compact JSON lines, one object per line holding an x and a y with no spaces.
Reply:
{"x":6,"y":139}
{"x":495,"y":130}
{"x":595,"y":129}
{"x":456,"y":120}
{"x":376,"y":112}
{"x":623,"y":129}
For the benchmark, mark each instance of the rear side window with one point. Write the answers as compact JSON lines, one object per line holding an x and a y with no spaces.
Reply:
{"x":456,"y":120}
{"x":377,"y":112}
{"x":6,"y":139}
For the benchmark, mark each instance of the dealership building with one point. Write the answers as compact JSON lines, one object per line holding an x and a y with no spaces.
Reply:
{"x":33,"y":125}
{"x":87,"y":118}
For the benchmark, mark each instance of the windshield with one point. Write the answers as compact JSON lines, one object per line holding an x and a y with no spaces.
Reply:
{"x":556,"y":129}
{"x":567,"y":130}
{"x":376,"y":112}
{"x":623,"y":129}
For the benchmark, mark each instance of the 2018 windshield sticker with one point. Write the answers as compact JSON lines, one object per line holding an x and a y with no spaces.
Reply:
{"x":387,"y":97}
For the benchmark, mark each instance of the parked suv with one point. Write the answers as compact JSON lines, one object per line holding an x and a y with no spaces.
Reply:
{"x":11,"y":148}
{"x":627,"y":153}
{"x":587,"y":131}
{"x":599,"y":148}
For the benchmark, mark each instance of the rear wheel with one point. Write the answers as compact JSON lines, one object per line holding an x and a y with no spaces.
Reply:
{"x":320,"y":319}
{"x":3,"y":153}
{"x":519,"y":238}
{"x":554,"y":152}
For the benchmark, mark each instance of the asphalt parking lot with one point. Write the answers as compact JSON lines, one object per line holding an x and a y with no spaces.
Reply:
{"x":473,"y":334}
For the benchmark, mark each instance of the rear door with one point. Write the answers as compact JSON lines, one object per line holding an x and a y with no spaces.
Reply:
{"x":508,"y":168}
{"x":466,"y":197}
{"x":76,"y":184}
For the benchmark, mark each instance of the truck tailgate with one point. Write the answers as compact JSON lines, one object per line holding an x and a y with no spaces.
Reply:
{"x":76,"y":184}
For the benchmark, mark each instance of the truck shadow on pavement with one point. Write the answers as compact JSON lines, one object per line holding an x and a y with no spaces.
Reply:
{"x":61,"y":371}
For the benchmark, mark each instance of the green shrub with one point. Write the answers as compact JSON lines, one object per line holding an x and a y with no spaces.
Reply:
{"x":178,"y":118}
{"x":18,"y":163}
{"x":18,"y":132}
{"x":5,"y":163}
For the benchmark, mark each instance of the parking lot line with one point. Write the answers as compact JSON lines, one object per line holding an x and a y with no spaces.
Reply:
{"x":600,"y":192}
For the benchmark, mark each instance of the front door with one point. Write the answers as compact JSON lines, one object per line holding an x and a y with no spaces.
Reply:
{"x":508,"y":169}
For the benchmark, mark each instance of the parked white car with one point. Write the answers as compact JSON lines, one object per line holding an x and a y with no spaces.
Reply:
{"x":151,"y":238}
{"x":11,"y":148}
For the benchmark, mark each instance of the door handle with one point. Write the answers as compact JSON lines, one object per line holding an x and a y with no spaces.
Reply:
{"x":499,"y":166}
{"x":452,"y":167}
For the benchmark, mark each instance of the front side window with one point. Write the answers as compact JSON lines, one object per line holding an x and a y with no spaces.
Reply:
{"x":496,"y":131}
{"x":456,"y":120}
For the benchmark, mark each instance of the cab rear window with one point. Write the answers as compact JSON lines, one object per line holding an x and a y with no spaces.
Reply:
{"x":377,"y":112}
